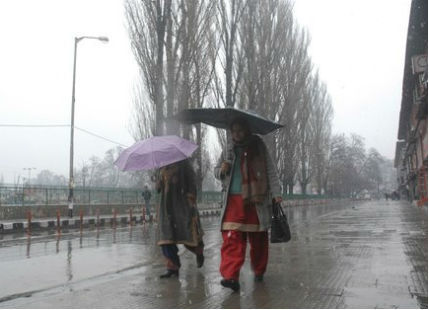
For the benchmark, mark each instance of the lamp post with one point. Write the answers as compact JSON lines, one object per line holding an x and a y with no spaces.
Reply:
{"x":71,"y":179}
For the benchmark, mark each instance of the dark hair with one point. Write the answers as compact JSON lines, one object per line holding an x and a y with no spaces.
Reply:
{"x":242,"y":122}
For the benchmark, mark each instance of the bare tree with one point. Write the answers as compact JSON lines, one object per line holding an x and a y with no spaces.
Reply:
{"x":350,"y":168}
{"x":175,"y":65}
{"x":274,"y":77}
{"x":46,"y":177}
{"x":101,"y":172}
{"x":146,"y":18}
{"x":320,"y":123}
{"x":264,"y":30}
{"x":243,"y":53}
{"x":305,"y":134}
{"x":372,"y":170}
{"x":338,"y":158}
{"x":295,"y":72}
{"x":198,"y":47}
{"x":143,"y":124}
{"x":226,"y":58}
{"x":231,"y":58}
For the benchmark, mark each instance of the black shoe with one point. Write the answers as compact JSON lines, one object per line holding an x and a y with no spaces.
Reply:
{"x":259,"y":278}
{"x":230,"y":283}
{"x":200,"y":260}
{"x":170,"y":273}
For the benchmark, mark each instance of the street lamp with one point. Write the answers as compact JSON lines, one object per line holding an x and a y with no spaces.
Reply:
{"x":71,"y":180}
{"x":29,"y":173}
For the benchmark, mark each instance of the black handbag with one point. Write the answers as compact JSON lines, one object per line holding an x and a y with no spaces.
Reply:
{"x":280,"y":231}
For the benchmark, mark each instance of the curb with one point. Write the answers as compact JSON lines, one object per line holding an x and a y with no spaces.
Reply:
{"x":20,"y":226}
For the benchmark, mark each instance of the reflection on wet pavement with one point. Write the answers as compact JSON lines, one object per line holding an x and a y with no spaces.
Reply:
{"x":341,"y":256}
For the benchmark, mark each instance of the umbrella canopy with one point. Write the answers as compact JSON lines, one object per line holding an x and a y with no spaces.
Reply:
{"x":155,"y":152}
{"x":222,"y":118}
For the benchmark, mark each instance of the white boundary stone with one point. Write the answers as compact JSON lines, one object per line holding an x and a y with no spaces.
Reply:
{"x":7,"y":226}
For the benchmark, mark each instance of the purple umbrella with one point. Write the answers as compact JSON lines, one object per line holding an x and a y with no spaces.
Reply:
{"x":155,"y":152}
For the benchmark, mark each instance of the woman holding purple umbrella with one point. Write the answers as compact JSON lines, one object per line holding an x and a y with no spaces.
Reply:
{"x":178,"y":219}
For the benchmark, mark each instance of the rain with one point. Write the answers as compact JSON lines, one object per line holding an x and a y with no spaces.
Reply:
{"x":134,"y":129}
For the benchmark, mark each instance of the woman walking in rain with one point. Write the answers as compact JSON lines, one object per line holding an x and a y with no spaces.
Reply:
{"x":179,"y":221}
{"x":250,"y":178}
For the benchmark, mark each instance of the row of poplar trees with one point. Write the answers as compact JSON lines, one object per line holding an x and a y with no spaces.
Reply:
{"x":249,"y":54}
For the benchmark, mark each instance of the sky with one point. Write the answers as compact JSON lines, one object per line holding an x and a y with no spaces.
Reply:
{"x":358,"y":46}
{"x":359,"y":49}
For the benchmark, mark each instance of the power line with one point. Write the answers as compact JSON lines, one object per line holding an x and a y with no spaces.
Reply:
{"x":18,"y":125}
{"x":81,"y":129}
{"x":98,"y":136}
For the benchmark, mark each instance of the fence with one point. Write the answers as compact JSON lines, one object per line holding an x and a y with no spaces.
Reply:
{"x":47,"y":201}
{"x":52,"y":195}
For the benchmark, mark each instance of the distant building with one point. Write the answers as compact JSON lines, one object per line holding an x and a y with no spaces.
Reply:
{"x":411,"y":158}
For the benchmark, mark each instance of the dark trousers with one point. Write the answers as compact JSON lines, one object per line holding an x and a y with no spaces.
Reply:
{"x":147,"y":205}
{"x":170,"y":253}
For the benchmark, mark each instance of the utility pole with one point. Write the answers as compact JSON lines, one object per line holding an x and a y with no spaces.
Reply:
{"x":71,"y":178}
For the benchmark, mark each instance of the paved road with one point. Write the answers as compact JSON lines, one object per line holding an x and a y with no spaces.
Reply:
{"x":362,"y":255}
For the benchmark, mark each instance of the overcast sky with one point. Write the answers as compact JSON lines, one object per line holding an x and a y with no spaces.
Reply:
{"x":358,"y":46}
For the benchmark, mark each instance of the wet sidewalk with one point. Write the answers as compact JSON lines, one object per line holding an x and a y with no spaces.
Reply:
{"x":368,"y":255}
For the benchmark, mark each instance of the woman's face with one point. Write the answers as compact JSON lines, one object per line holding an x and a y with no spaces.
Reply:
{"x":238,"y":133}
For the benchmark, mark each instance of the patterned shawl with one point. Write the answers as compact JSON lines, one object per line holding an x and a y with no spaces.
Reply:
{"x":254,"y":171}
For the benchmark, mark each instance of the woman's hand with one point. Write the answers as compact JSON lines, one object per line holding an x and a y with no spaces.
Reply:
{"x":191,"y":199}
{"x":225,"y":168}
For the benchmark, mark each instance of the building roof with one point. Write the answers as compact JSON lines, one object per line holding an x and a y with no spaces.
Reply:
{"x":416,"y":45}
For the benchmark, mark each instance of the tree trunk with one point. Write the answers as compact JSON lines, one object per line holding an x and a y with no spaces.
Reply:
{"x":290,"y":189}
{"x":199,"y":159}
{"x":319,"y":180}
{"x":172,"y":127}
{"x":162,"y":16}
{"x":284,"y":183}
{"x":303,"y":187}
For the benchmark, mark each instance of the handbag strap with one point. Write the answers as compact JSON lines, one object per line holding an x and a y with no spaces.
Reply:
{"x":277,"y":209}
{"x":281,"y":213}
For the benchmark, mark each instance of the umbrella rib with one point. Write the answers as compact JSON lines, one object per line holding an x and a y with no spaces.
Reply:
{"x":186,"y":156}
{"x":155,"y":152}
{"x":152,"y":154}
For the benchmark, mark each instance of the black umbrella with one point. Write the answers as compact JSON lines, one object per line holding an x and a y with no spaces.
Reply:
{"x":222,"y":118}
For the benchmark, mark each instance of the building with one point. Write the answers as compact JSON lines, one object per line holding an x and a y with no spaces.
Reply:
{"x":411,"y":158}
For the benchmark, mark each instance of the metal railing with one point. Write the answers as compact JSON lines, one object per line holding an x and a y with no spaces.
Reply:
{"x":27,"y":195}
{"x":57,"y":195}
{"x":306,"y":196}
